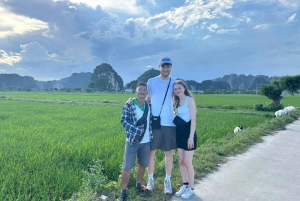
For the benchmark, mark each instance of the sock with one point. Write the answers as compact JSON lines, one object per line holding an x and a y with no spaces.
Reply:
{"x":124,"y":191}
{"x":168,"y":177}
{"x":151,"y":176}
{"x":186,"y":183}
{"x":138,"y":185}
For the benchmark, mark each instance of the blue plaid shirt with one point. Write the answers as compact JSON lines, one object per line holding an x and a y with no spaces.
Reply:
{"x":128,"y":121}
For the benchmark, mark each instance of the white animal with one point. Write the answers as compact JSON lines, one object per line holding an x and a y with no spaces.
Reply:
{"x":285,"y":111}
{"x":238,"y":129}
{"x":279,"y":113}
{"x":290,"y":108}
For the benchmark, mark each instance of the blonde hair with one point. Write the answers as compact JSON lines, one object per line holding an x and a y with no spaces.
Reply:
{"x":186,"y":92}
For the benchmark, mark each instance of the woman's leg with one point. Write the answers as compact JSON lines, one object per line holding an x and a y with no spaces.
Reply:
{"x":188,"y":163}
{"x":183,"y":170}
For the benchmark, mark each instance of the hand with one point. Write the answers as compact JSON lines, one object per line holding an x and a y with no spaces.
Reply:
{"x":143,"y":128}
{"x":190,"y":143}
{"x":130,"y":100}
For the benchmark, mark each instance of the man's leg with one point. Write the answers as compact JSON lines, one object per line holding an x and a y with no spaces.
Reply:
{"x":168,"y":162}
{"x":151,"y":162}
{"x":140,"y":173}
{"x":125,"y":178}
{"x":150,"y":184}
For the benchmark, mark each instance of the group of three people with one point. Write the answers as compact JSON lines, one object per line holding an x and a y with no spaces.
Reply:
{"x":158,"y":98}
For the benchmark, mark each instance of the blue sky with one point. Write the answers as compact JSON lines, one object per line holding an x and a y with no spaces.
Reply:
{"x":206,"y":39}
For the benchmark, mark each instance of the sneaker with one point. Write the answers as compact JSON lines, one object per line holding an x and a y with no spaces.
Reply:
{"x":140,"y":191}
{"x":150,"y":184}
{"x":168,"y":187}
{"x":123,"y":197}
{"x":181,"y":191}
{"x":187,"y":193}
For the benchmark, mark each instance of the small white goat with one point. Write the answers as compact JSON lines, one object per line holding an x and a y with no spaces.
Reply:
{"x":279,"y":113}
{"x":238,"y":129}
{"x":290,"y":108}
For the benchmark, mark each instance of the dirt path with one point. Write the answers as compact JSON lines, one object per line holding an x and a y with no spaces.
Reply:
{"x":267,"y":171}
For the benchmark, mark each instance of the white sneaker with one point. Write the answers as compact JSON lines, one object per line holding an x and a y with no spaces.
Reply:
{"x":187,"y":193}
{"x":181,"y":191}
{"x":168,"y":187}
{"x":150,"y":184}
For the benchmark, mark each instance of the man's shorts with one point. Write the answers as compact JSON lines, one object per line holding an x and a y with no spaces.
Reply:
{"x":141,"y":151}
{"x":164,"y":138}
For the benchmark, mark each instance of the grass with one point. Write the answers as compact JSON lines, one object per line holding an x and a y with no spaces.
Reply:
{"x":70,"y":150}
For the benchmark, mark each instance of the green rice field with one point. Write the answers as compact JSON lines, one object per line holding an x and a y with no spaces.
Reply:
{"x":48,"y":139}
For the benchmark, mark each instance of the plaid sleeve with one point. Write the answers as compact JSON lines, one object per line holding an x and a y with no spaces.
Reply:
{"x":128,"y":121}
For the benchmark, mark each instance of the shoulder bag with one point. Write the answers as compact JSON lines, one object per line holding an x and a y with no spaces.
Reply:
{"x":156,"y":119}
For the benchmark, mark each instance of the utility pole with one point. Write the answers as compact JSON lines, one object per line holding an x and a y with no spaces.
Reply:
{"x":256,"y":88}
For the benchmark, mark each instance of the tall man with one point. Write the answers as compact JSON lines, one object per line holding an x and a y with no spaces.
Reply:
{"x":132,"y":112}
{"x":165,"y":137}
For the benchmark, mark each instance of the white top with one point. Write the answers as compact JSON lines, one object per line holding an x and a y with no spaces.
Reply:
{"x":157,"y":88}
{"x":184,"y":111}
{"x":138,"y":115}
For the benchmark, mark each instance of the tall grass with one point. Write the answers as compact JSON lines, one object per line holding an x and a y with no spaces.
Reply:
{"x":46,"y":148}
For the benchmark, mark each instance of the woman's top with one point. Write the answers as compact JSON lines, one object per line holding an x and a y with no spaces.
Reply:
{"x":184,"y":111}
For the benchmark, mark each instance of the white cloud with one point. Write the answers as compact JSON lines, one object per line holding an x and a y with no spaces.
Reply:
{"x":206,"y":37}
{"x":290,"y":3}
{"x":213,"y":27}
{"x":228,"y":31}
{"x":12,"y":24}
{"x":119,"y":6}
{"x":35,"y":52}
{"x":262,"y":26}
{"x":9,"y":58}
{"x":292,"y":18}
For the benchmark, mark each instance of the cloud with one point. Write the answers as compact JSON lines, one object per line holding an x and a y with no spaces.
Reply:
{"x":206,"y":37}
{"x":291,"y":19}
{"x":12,"y":24}
{"x":263,"y":26}
{"x":9,"y":58}
{"x":34,"y":52}
{"x":117,"y":6}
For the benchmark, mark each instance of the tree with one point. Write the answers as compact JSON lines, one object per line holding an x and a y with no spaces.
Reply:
{"x":274,"y":90}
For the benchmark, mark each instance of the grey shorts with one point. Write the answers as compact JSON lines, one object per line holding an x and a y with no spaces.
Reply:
{"x":141,"y":151}
{"x":164,"y":138}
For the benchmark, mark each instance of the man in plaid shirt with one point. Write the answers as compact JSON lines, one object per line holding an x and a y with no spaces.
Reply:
{"x":132,"y":111}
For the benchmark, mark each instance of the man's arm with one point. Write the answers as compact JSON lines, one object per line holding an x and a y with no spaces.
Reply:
{"x":127,"y":121}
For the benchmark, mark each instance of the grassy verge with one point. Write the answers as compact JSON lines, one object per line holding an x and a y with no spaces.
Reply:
{"x":207,"y":158}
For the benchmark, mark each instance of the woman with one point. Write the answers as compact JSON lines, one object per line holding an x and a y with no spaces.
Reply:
{"x":186,"y":136}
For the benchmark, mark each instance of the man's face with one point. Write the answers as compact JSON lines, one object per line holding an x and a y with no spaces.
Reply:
{"x":141,"y":92}
{"x":165,"y":69}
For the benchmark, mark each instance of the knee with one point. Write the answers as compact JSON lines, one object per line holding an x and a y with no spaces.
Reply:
{"x":181,"y":162}
{"x":168,"y":154}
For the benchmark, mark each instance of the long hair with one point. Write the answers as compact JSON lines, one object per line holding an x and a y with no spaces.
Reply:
{"x":186,"y":92}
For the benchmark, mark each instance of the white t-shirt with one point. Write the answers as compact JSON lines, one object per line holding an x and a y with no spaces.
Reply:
{"x":139,"y":114}
{"x":157,"y":88}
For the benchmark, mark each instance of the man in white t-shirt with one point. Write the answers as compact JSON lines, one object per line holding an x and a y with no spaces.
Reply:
{"x":132,"y":113}
{"x":165,"y":137}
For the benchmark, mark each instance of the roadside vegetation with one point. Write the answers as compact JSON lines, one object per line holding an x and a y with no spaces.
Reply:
{"x":74,"y":150}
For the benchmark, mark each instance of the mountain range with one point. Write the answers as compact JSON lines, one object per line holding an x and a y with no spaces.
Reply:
{"x":82,"y":80}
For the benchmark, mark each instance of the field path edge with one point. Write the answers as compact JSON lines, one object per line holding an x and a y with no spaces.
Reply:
{"x":267,"y":171}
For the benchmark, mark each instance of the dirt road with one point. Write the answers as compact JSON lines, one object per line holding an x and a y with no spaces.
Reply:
{"x":268,"y":171}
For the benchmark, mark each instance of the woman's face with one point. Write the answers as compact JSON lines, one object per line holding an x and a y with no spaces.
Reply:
{"x":178,"y":90}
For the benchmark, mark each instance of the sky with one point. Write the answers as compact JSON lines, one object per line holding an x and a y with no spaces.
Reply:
{"x":206,"y":39}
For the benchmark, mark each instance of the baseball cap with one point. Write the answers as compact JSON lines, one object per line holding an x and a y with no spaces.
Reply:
{"x":165,"y":60}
